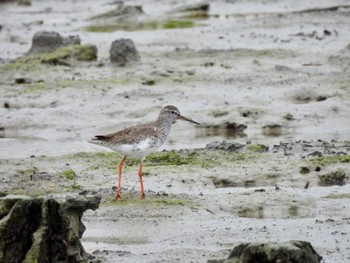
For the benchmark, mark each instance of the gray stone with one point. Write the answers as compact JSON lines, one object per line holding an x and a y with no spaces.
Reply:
{"x":123,"y":51}
{"x":122,"y":12}
{"x":71,"y":40}
{"x":43,"y":229}
{"x":204,"y":7}
{"x":292,"y":252}
{"x":337,"y":177}
{"x":49,"y":41}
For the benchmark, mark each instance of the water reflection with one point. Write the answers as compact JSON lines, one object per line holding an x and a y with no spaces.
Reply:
{"x":227,"y":130}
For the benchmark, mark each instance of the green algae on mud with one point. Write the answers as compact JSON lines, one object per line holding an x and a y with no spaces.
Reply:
{"x":257,"y":148}
{"x":187,"y":158}
{"x":172,"y":158}
{"x":164,"y":158}
{"x":78,"y":52}
{"x":104,"y":27}
{"x":36,"y":62}
{"x":293,"y":211}
{"x":330,"y":159}
{"x":337,"y":196}
{"x":69,"y":174}
{"x":198,"y":157}
{"x":28,"y":63}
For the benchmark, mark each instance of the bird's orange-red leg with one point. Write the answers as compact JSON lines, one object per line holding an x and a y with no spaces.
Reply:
{"x":120,"y":166}
{"x":141,"y":183}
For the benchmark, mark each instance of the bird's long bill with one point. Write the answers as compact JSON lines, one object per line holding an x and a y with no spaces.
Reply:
{"x":180,"y":117}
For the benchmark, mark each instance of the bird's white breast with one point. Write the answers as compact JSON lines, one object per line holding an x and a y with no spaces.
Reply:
{"x":140,"y":149}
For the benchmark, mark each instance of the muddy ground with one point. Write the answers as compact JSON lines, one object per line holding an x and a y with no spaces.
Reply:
{"x":281,"y":68}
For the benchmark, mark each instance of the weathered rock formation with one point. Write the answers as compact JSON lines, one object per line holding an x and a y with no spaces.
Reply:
{"x":337,"y":177}
{"x":49,"y":41}
{"x":49,"y":47}
{"x":122,"y":13}
{"x":293,"y":252}
{"x":123,"y":51}
{"x":43,"y":229}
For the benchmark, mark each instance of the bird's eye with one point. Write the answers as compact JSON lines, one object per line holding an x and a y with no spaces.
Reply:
{"x":172,"y":112}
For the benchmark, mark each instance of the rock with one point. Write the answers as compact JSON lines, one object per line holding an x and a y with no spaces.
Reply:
{"x":24,"y":2}
{"x":124,"y":17}
{"x":224,"y":145}
{"x":304,"y":170}
{"x":334,"y":178}
{"x":123,"y":51}
{"x":49,"y":41}
{"x":71,"y":40}
{"x":43,"y":229}
{"x":46,"y":41}
{"x":23,"y":80}
{"x":203,"y":7}
{"x":289,"y":117}
{"x":122,"y":11}
{"x":293,"y":251}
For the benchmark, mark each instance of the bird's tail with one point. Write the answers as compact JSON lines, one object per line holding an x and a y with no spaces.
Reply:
{"x":98,"y":139}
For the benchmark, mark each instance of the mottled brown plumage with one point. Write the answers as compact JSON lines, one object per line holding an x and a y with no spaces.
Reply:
{"x":140,"y":140}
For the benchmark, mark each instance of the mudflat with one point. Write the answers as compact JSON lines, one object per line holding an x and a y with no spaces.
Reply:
{"x":271,"y":79}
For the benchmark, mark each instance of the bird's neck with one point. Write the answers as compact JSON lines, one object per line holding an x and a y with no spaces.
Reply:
{"x":164,"y":124}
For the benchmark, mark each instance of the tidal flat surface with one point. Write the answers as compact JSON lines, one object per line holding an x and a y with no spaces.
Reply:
{"x":280,"y":68}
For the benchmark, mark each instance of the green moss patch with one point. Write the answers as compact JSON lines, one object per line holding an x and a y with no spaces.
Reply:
{"x":69,"y":174}
{"x":293,"y":211}
{"x":172,"y":158}
{"x":257,"y":148}
{"x":28,"y":64}
{"x":101,"y":28}
{"x":337,"y":196}
{"x":328,"y":160}
{"x":171,"y":24}
{"x":78,"y":52}
{"x":151,"y":25}
{"x":62,"y":56}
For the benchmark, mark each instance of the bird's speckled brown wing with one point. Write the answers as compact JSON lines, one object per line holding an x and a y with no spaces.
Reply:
{"x":129,"y":135}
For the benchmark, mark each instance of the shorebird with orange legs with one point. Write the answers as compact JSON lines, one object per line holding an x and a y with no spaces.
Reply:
{"x":140,"y":140}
